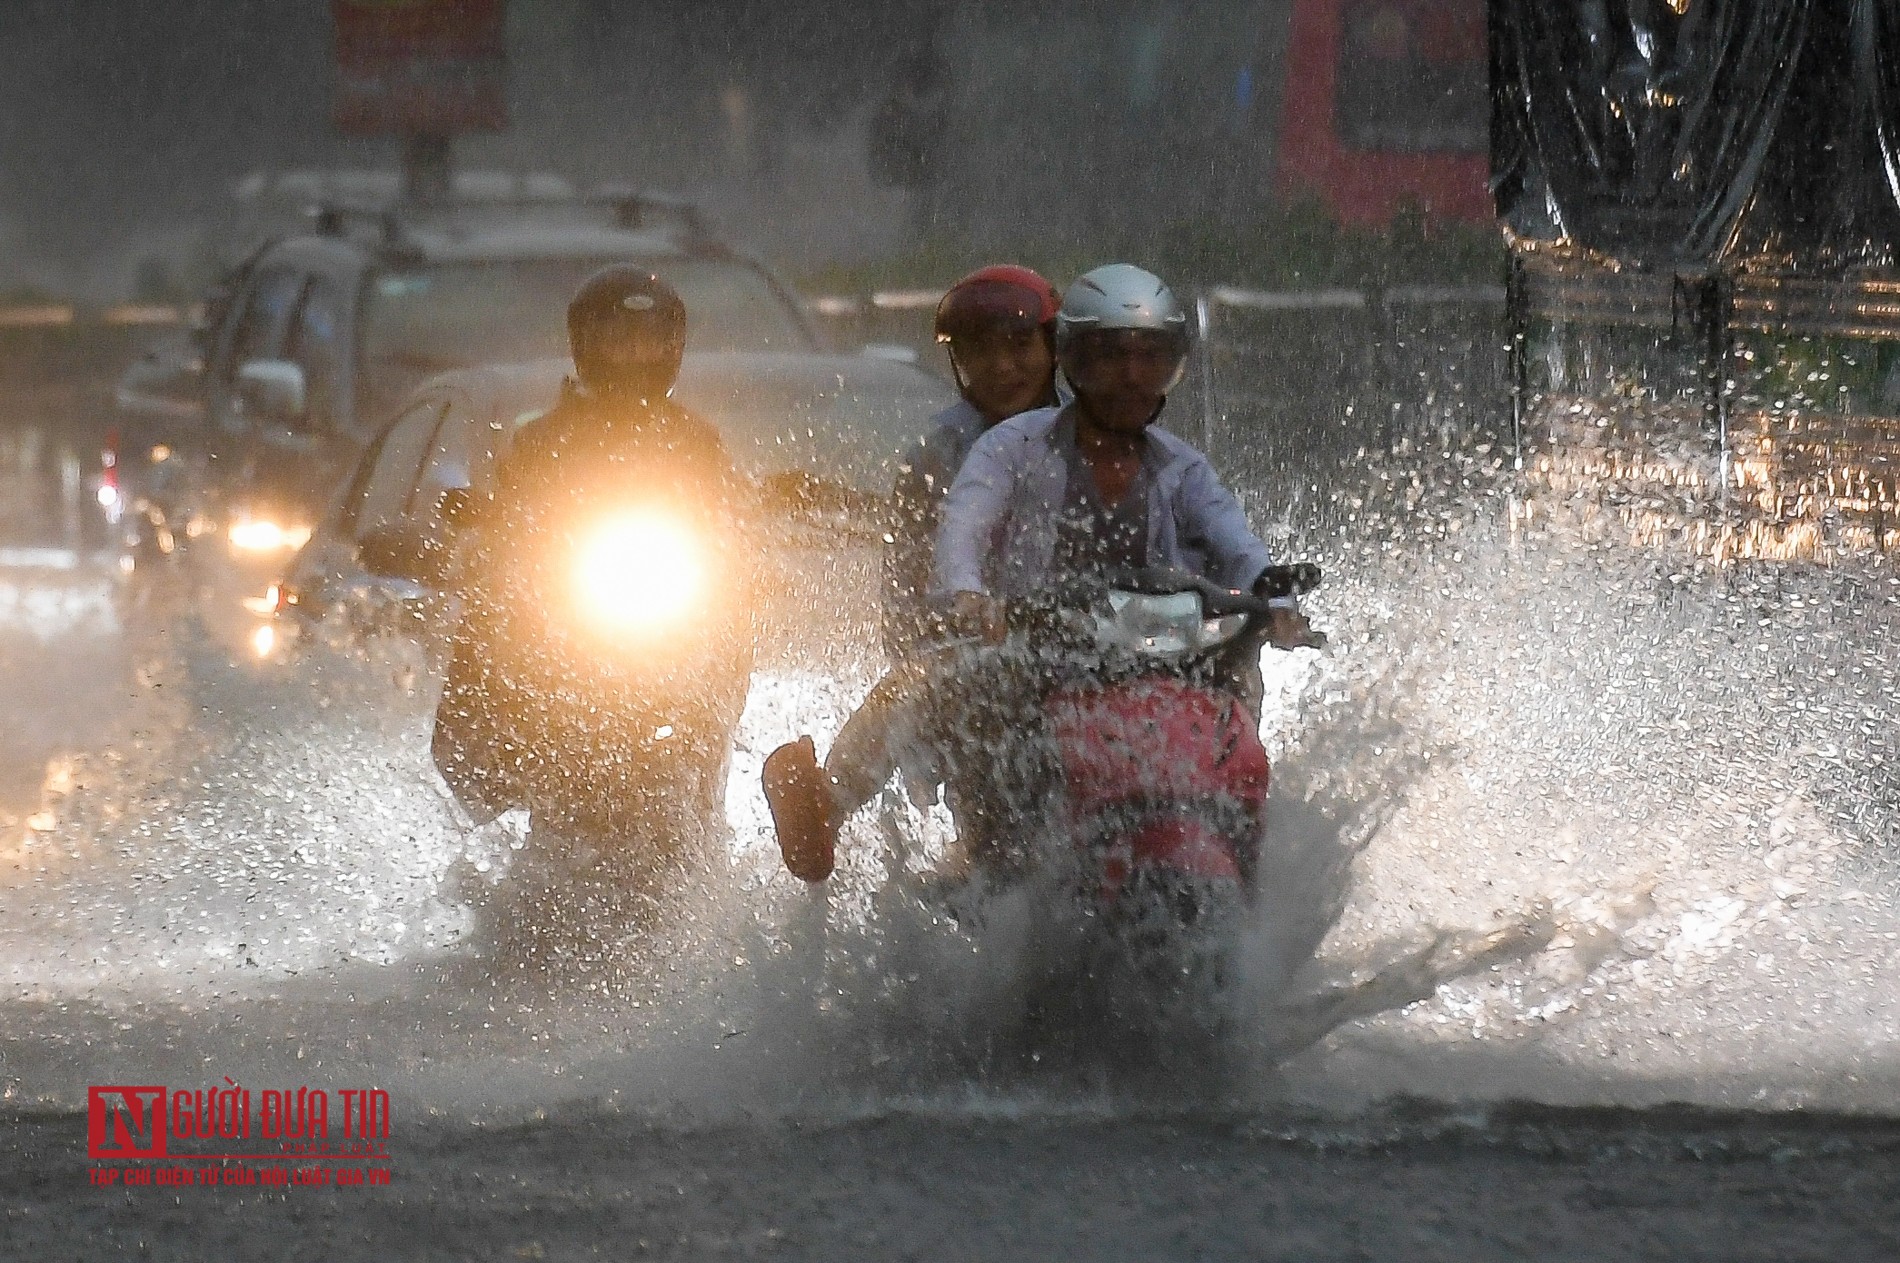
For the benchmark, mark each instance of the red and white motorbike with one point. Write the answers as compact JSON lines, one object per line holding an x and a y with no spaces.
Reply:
{"x":1148,"y":804}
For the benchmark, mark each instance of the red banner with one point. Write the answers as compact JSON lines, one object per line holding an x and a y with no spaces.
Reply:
{"x":413,"y":67}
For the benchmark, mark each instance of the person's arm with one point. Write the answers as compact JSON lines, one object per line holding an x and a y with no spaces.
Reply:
{"x":727,"y":491}
{"x":1211,"y":514}
{"x":1239,"y":555}
{"x":974,"y":507}
{"x":493,"y":513}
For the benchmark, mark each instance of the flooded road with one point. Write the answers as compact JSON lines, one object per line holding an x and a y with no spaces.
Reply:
{"x":212,"y":871}
{"x":1589,"y":1186}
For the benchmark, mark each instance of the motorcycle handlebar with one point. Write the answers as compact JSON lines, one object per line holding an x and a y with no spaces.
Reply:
{"x":1048,"y":611}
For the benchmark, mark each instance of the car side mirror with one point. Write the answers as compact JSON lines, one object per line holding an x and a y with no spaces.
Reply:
{"x":403,"y":552}
{"x":272,"y":390}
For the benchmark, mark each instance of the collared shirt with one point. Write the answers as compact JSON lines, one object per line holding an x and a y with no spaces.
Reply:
{"x":923,"y":479}
{"x":1092,"y":536}
{"x":1000,"y":520}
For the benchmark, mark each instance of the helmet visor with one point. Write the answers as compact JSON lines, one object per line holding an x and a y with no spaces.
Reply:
{"x":983,"y":306}
{"x":631,"y":349}
{"x":1164,"y":349}
{"x":637,"y":334}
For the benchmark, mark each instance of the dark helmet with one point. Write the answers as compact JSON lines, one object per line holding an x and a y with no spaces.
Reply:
{"x":1000,"y":296}
{"x":628,"y":331}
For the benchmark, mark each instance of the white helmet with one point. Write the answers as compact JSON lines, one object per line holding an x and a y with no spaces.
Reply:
{"x":1120,"y":296}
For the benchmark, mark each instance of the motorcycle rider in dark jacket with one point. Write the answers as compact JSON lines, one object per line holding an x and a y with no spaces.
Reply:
{"x":613,"y":432}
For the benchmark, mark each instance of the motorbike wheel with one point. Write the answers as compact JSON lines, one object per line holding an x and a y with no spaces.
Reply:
{"x":1165,"y":957}
{"x":570,"y":904}
{"x":601,"y":868}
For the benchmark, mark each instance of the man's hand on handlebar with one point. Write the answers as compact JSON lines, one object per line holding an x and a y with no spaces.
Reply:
{"x":978,"y":614}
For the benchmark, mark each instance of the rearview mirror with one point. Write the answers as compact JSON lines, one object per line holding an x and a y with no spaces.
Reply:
{"x":272,"y":390}
{"x":403,"y":552}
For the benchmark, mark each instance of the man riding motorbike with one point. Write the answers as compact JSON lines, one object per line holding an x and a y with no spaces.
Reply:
{"x":565,"y":693}
{"x":1093,"y":485}
{"x":1068,"y":492}
{"x":998,"y":326}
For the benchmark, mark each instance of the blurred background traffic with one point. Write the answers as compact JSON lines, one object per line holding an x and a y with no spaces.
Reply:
{"x":233,"y":236}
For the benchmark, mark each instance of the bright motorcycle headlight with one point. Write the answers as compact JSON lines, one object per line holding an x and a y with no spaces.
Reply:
{"x":261,"y":535}
{"x":638,"y":572}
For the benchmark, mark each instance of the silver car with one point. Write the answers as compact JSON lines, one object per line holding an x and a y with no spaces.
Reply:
{"x":819,"y":434}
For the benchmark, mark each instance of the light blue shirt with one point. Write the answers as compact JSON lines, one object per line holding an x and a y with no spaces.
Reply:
{"x":1012,"y":488}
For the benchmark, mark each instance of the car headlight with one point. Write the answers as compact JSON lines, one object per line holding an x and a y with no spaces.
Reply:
{"x":638,"y":572}
{"x":261,"y":535}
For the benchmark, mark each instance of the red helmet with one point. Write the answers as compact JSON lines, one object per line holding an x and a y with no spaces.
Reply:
{"x":1003,"y":294}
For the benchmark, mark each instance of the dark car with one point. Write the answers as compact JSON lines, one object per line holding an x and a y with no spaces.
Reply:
{"x":818,"y":434}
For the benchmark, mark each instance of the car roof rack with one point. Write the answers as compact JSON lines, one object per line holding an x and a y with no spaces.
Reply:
{"x":472,"y":186}
{"x":637,"y":209}
{"x":633,"y":210}
{"x":336,"y":218}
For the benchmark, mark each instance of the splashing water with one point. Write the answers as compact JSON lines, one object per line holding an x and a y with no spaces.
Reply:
{"x":1554,"y":817}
